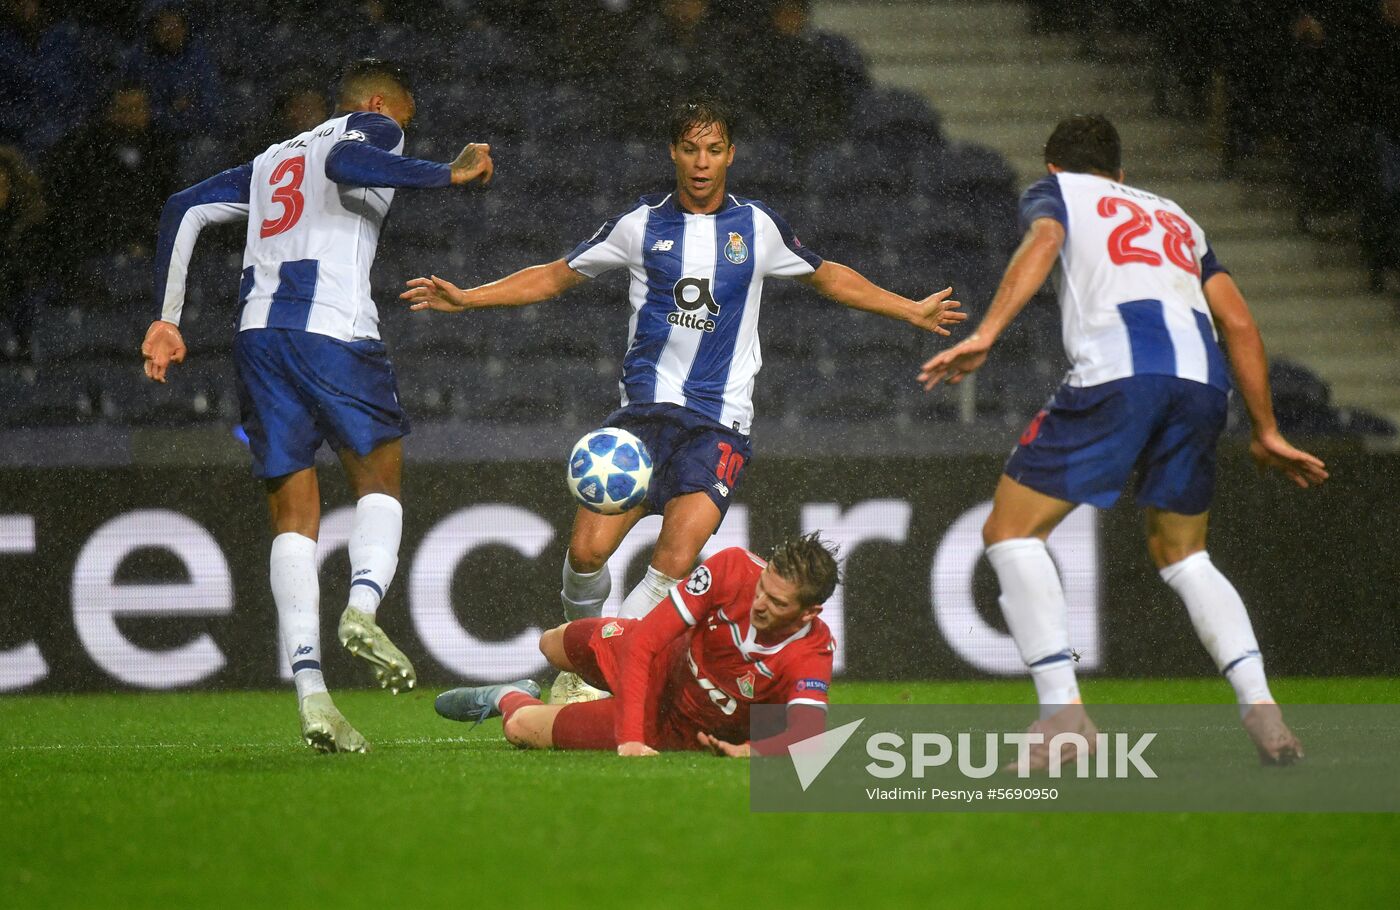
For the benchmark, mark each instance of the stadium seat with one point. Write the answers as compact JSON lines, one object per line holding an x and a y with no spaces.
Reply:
{"x":643,"y":169}
{"x":895,"y":118}
{"x":765,"y":166}
{"x":127,"y":397}
{"x":850,"y":169}
{"x":845,"y":392}
{"x":437,"y":386}
{"x":74,"y":333}
{"x":590,"y":389}
{"x":52,"y":396}
{"x":793,"y":321}
{"x":1366,"y":423}
{"x":515,"y":392}
{"x":781,"y":382}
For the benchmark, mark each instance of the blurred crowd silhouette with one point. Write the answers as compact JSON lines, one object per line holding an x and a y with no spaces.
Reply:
{"x":1318,"y":80}
{"x":117,"y":103}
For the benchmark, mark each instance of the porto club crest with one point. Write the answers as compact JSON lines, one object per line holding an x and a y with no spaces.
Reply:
{"x":736,"y":250}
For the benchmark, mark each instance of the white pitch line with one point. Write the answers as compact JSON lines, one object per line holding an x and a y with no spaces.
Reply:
{"x":279,"y":744}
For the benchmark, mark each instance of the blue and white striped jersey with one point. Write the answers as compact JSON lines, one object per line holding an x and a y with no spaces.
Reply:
{"x":697,"y":281}
{"x":1132,"y":268}
{"x":314,"y":205}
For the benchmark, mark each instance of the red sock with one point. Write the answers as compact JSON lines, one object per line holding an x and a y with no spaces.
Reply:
{"x":586,"y":725}
{"x":514,"y":701}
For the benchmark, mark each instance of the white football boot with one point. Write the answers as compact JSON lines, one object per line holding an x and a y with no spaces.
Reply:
{"x":325,"y":729}
{"x":1069,"y":719}
{"x":361,"y":637}
{"x":1276,"y":743}
{"x":569,"y":689}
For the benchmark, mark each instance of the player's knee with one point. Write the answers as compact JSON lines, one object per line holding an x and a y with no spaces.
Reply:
{"x":552,"y":647}
{"x":585,"y":558}
{"x":995,"y":531}
{"x":1165,"y":552}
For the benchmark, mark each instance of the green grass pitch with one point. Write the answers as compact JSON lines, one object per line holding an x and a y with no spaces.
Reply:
{"x":210,"y":800}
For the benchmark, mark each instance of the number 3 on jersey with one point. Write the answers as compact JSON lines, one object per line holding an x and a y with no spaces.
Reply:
{"x":287,"y":195}
{"x":1177,"y":244}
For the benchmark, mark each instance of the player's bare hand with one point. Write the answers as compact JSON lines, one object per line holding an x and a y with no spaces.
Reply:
{"x":162,"y":347}
{"x":936,"y":311}
{"x":636,"y":750}
{"x":473,"y":163}
{"x":1271,"y":450}
{"x":720,"y":747}
{"x":435,"y":294}
{"x":955,"y":363}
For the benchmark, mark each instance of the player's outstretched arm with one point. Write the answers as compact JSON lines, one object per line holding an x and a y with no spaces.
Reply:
{"x":1030,"y":265}
{"x":532,"y":285}
{"x":850,"y":288}
{"x":1244,"y":346}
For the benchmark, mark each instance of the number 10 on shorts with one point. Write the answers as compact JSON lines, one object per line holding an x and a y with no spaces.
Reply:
{"x":730,"y":464}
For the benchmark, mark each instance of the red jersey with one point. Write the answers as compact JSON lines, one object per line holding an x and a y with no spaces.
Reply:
{"x":715,"y":666}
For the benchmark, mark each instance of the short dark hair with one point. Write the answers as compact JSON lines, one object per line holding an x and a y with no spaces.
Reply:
{"x":367,"y":75}
{"x":698,"y":112}
{"x":1085,"y":143}
{"x":809,"y":563}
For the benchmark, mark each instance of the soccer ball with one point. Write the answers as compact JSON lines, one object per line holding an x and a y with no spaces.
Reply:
{"x":609,"y":470}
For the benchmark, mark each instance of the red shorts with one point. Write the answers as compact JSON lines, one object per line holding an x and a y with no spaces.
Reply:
{"x":597,"y":649}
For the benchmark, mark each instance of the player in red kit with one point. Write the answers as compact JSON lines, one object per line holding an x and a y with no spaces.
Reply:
{"x":739,"y":631}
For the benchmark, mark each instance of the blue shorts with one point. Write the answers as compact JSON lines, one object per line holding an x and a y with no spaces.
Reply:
{"x":1086,"y":442}
{"x":690,"y":453}
{"x":298,"y":389}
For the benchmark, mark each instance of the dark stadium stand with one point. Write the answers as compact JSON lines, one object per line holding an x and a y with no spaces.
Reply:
{"x":882,"y":190}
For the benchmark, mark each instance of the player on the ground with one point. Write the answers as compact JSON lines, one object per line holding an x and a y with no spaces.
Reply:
{"x":1142,"y":295}
{"x":310,"y":366}
{"x":698,"y":257}
{"x":738,"y":632}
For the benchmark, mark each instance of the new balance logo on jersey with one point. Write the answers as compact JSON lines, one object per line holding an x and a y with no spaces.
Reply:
{"x":722,"y":488}
{"x":662,"y":246}
{"x":694,"y":304}
{"x":304,"y":649}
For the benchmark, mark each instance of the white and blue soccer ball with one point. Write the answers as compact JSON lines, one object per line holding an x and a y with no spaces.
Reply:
{"x":609,"y":470}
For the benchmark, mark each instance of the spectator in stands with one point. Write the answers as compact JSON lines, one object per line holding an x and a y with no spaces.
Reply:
{"x":1380,"y":99}
{"x":45,"y":73}
{"x":109,"y":180}
{"x":21,"y":251}
{"x":298,"y":108}
{"x":1258,"y":61}
{"x":681,"y":51}
{"x":177,"y":71}
{"x":793,"y":82}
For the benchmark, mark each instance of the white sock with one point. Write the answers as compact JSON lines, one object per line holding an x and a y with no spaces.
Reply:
{"x":649,"y":592}
{"x":1222,"y":624}
{"x":297,"y":592}
{"x":1033,"y":603}
{"x":584,"y":594}
{"x":374,"y":550}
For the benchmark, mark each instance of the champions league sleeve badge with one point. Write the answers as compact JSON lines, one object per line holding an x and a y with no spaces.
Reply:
{"x":736,"y":250}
